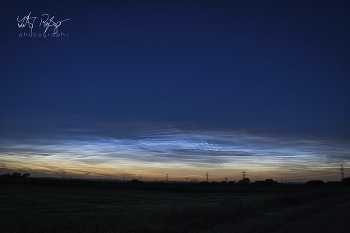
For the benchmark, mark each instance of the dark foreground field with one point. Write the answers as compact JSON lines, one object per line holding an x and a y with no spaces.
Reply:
{"x":33,"y":205}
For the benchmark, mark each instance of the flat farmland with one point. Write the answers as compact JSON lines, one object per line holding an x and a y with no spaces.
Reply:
{"x":96,"y":206}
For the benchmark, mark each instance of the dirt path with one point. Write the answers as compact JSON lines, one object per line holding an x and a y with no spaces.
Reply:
{"x":330,"y":220}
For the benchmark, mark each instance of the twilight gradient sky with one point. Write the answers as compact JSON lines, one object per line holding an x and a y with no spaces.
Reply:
{"x":176,"y":87}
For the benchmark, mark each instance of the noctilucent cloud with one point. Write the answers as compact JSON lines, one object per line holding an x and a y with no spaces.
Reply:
{"x":150,"y":88}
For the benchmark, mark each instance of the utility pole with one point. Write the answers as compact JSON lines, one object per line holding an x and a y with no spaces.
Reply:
{"x":226,"y":179}
{"x":167,"y":177}
{"x":342,"y":171}
{"x":243,"y":174}
{"x":207,"y":177}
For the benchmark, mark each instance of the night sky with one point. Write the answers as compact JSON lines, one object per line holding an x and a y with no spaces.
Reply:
{"x":130,"y":88}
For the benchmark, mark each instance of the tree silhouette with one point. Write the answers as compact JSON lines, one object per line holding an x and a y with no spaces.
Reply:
{"x":315,"y":182}
{"x":244,"y":181}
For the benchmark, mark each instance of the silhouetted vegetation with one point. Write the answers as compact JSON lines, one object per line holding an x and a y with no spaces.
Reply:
{"x":244,"y":181}
{"x":270,"y":182}
{"x":315,"y":183}
{"x":136,"y":181}
{"x":267,"y":182}
{"x":15,"y":175}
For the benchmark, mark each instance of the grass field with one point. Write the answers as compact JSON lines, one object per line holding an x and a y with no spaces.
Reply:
{"x":76,"y":206}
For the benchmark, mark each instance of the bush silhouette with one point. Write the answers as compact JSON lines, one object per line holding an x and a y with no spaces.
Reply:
{"x":135,"y":181}
{"x":244,"y":181}
{"x":315,"y":182}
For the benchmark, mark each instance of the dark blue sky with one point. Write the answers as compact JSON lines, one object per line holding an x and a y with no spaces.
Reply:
{"x":277,"y":68}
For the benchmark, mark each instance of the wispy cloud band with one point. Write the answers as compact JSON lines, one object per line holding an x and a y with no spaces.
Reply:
{"x":175,"y":150}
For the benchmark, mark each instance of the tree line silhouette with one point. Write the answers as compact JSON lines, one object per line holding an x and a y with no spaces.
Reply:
{"x":15,"y":175}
